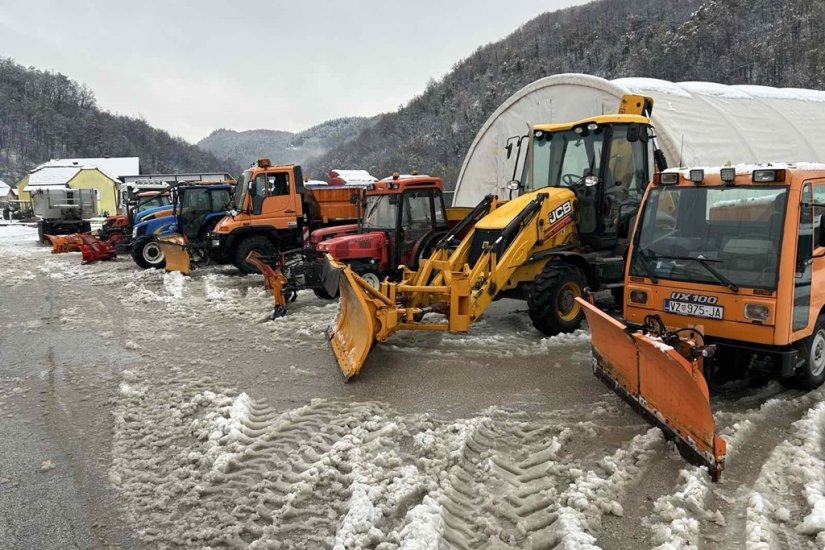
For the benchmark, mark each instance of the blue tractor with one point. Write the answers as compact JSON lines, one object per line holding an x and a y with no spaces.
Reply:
{"x":196,"y":208}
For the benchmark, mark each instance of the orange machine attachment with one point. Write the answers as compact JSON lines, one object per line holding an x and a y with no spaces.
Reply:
{"x":274,"y":280}
{"x":660,"y":374}
{"x":65,"y":243}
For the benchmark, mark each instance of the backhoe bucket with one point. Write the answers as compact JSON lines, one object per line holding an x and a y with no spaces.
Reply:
{"x":355,"y":330}
{"x":667,"y":389}
{"x":175,"y":254}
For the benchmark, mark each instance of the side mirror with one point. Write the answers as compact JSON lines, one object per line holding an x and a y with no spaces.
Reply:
{"x":591,"y":181}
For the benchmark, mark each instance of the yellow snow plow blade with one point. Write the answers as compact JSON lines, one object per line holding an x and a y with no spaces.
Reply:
{"x":666,"y":387}
{"x":175,"y":254}
{"x":364,"y":314}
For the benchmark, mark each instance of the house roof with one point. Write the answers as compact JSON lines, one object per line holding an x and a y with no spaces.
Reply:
{"x":51,"y":175}
{"x":113,"y":167}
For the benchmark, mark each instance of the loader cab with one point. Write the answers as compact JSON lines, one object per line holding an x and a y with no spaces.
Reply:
{"x":606,"y":161}
{"x":410,"y":210}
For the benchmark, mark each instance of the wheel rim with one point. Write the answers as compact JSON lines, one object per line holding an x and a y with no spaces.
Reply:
{"x":152,"y":253}
{"x":372,"y":279}
{"x":567,"y":306}
{"x":817,"y":359}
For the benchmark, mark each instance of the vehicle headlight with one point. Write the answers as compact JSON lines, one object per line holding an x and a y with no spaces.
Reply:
{"x":134,"y":232}
{"x":757,"y":312}
{"x":638,"y":296}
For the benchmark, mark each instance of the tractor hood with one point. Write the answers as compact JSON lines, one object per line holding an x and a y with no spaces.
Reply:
{"x":326,"y":233}
{"x":360,"y":246}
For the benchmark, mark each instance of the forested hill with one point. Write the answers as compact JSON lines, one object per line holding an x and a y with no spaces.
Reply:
{"x":46,"y":115}
{"x":283,"y":147}
{"x":769,"y":42}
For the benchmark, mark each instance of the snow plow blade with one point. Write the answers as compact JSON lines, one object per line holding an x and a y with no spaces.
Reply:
{"x":661,"y":384}
{"x":65,"y":243}
{"x":175,"y":253}
{"x":362,"y":311}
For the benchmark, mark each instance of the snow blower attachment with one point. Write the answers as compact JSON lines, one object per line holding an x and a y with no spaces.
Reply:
{"x":91,"y":248}
{"x":659,"y":373}
{"x":65,"y":243}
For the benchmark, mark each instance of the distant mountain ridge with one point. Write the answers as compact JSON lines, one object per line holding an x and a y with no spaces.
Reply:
{"x":244,"y":147}
{"x":46,"y":115}
{"x":768,"y":42}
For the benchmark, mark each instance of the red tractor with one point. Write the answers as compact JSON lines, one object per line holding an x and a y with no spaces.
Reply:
{"x":401,"y":219}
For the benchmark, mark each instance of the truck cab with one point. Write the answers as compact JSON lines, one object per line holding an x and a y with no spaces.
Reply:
{"x":402,"y":217}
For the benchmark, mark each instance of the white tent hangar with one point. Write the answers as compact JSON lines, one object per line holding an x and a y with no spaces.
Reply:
{"x":698,"y":123}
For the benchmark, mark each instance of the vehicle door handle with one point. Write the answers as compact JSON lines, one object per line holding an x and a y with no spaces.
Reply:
{"x":289,"y":211}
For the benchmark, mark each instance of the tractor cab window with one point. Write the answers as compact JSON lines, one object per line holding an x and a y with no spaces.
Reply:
{"x":194,"y":206}
{"x":380,"y":212}
{"x":808,"y":239}
{"x":259,"y":193}
{"x":277,"y":184}
{"x":440,"y":219}
{"x":416,"y":220}
{"x":220,"y":199}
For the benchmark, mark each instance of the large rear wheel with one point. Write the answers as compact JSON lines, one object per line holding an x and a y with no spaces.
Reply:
{"x":261,"y":244}
{"x":552,"y":302}
{"x":147,"y":253}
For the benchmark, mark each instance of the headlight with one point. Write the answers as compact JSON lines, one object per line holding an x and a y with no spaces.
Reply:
{"x":134,"y":232}
{"x":638,"y":296}
{"x":757,"y":312}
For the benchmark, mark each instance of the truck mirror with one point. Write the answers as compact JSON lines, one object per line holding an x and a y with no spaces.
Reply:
{"x":353,"y":198}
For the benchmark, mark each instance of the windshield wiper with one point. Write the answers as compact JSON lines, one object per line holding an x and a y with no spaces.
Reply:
{"x":705,"y":262}
{"x":646,"y":260}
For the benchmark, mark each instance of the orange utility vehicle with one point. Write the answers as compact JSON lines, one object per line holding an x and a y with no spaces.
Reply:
{"x":725,"y":282}
{"x":272,"y":212}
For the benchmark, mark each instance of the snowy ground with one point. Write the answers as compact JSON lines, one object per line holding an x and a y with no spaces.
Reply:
{"x":171,"y":413}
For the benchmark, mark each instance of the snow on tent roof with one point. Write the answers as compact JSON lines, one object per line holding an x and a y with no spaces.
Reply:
{"x":114,"y":167}
{"x":698,"y":123}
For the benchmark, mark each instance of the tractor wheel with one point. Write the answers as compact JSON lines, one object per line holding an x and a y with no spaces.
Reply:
{"x":263,"y":245}
{"x":368,"y":273}
{"x":812,"y":349}
{"x":41,"y":232}
{"x":147,"y":253}
{"x":551,"y":303}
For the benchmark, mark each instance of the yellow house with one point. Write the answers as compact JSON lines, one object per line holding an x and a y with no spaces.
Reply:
{"x":100,"y":174}
{"x":104,"y":186}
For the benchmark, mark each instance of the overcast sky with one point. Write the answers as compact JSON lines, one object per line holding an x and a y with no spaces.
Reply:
{"x":191,"y":67}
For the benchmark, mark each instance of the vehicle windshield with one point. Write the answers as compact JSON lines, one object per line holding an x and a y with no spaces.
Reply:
{"x":380,"y":212}
{"x":240,"y":189}
{"x":729,"y":236}
{"x":160,"y":200}
{"x":565,"y":158}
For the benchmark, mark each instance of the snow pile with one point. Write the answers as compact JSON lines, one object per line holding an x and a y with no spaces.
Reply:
{"x":677,"y":516}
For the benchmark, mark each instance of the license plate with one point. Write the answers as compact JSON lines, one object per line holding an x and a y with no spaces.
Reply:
{"x":694,"y":310}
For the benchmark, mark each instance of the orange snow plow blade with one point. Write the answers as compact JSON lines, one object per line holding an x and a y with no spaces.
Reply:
{"x":65,"y":243}
{"x":667,"y":389}
{"x":362,"y":312}
{"x":175,"y":254}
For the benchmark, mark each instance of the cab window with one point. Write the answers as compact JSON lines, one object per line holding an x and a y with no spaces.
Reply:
{"x":277,"y":184}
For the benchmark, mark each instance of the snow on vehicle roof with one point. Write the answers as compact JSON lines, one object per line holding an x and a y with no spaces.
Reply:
{"x":698,"y":123}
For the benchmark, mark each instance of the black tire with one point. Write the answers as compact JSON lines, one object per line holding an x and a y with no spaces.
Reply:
{"x":368,"y":273}
{"x":322,"y":293}
{"x":551,"y":304}
{"x":41,"y":232}
{"x":242,"y":249}
{"x":618,"y":297}
{"x":811,"y":374}
{"x":147,"y":254}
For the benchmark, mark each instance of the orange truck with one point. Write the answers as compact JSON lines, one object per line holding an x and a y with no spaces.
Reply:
{"x":272,"y":211}
{"x":724,"y":284}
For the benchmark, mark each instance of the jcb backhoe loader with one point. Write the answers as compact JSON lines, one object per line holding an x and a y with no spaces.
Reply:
{"x":724,"y":283}
{"x":566,"y":231}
